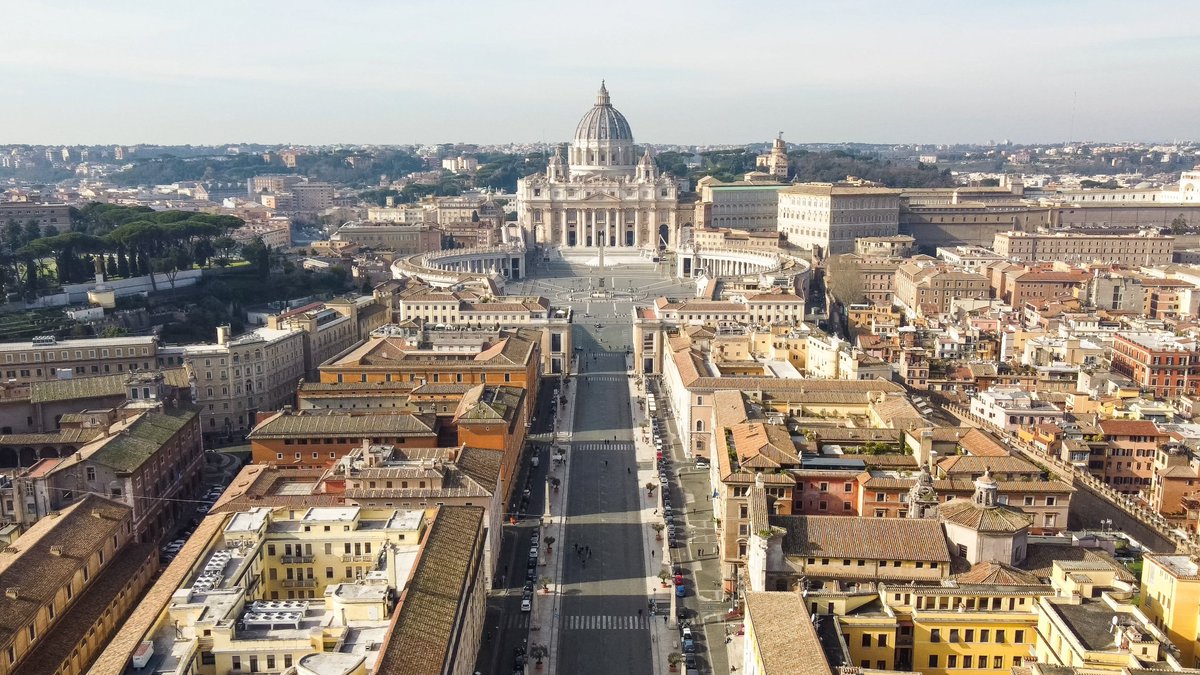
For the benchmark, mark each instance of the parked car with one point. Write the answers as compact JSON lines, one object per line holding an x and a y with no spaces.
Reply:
{"x":680,"y":591}
{"x":526,"y":605}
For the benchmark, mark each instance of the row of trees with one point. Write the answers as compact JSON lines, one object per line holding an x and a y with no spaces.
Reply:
{"x":121,"y":241}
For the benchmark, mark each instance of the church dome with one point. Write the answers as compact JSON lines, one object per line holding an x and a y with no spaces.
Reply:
{"x":603,"y":122}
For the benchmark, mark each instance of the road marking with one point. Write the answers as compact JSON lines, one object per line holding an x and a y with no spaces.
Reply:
{"x":517,"y":620}
{"x":612,"y":445}
{"x":605,"y":622}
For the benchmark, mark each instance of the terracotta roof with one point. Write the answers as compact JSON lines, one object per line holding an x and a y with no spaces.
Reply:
{"x":1000,"y":518}
{"x":980,"y":443}
{"x":763,"y":446}
{"x":997,"y":573}
{"x":490,"y":403}
{"x":37,"y":572}
{"x":967,"y":464}
{"x":149,"y":610}
{"x":785,"y":637}
{"x":141,"y":440}
{"x":1129,"y":428}
{"x":305,"y":423}
{"x":421,"y":639}
{"x":95,"y":387}
{"x":867,"y":538}
{"x":1040,"y":559}
{"x":88,"y":610}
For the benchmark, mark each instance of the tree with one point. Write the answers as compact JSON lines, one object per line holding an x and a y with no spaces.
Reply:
{"x":538,"y":652}
{"x":110,"y":267}
{"x":259,"y":254}
{"x":122,"y":262}
{"x":844,"y":280}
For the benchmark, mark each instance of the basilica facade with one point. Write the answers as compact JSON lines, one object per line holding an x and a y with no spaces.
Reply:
{"x":603,"y":193}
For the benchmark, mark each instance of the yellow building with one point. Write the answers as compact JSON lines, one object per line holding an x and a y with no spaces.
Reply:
{"x":264,"y":589}
{"x":1170,"y":597}
{"x":69,"y":582}
{"x":983,"y":623}
{"x":1093,"y":624}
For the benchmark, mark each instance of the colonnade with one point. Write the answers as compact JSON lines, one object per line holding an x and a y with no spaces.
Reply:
{"x":592,"y":226}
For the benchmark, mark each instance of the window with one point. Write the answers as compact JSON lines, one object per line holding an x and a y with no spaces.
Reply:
{"x":883,"y":639}
{"x":997,"y":662}
{"x":969,"y":661}
{"x":1019,"y":636}
{"x":984,"y":634}
{"x":1000,"y":635}
{"x":866,"y":639}
{"x":935,"y":635}
{"x":953,"y":635}
{"x":933,"y":660}
{"x":952,"y":661}
{"x":91,"y":473}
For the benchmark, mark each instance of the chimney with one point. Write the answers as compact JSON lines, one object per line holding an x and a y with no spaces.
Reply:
{"x":56,"y":551}
{"x":223,"y":334}
{"x":12,"y":592}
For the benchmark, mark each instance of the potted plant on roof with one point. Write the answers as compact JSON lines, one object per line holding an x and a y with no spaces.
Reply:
{"x":550,"y":545}
{"x":665,"y":577}
{"x":658,"y":529}
{"x":537,"y":653}
{"x":650,"y":488}
{"x":673,"y":661}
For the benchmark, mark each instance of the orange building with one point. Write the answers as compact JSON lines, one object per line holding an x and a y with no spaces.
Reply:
{"x":1132,"y":446}
{"x":319,"y":437}
{"x":1160,"y":363}
{"x":494,"y":418}
{"x":499,"y":357}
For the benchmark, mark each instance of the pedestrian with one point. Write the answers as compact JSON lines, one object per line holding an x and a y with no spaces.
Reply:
{"x":664,"y":618}
{"x":606,"y":463}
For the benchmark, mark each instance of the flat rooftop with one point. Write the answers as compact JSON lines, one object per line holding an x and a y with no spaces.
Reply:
{"x":1091,"y":622}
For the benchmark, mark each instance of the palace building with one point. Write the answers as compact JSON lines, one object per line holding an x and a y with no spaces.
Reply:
{"x":603,"y":194}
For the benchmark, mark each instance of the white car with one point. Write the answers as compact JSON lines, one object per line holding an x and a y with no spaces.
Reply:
{"x":526,"y":605}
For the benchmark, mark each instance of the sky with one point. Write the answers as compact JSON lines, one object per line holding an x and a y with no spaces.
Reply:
{"x":698,"y":72}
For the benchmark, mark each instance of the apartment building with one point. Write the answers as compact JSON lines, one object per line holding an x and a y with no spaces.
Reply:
{"x":320,"y":437}
{"x":1132,"y":446}
{"x":326,"y":332}
{"x":311,"y":197}
{"x":315,"y":589}
{"x":747,"y":205}
{"x":928,"y":288}
{"x":48,"y":358}
{"x":1170,"y":595}
{"x":237,"y":377}
{"x":1162,"y":364}
{"x":148,"y":458}
{"x":885,"y":495}
{"x":273,"y":182}
{"x":464,"y":308}
{"x":399,"y":238}
{"x":1011,"y":409}
{"x":46,"y":216}
{"x":828,"y":217}
{"x":511,"y":357}
{"x":1145,"y":248}
{"x":69,"y":582}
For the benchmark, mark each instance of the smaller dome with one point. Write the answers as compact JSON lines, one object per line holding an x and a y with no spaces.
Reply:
{"x":603,"y":122}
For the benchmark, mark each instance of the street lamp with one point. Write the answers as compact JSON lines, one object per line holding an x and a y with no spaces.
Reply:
{"x":1106,"y":523}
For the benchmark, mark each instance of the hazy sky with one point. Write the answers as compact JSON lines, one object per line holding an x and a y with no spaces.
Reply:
{"x":353,"y":71}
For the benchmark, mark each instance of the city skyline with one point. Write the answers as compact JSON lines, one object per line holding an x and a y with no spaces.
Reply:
{"x":697,"y":73}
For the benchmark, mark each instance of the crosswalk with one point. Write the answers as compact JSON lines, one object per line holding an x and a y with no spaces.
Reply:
{"x":600,"y":445}
{"x":604,"y":622}
{"x":516,"y":620}
{"x":607,"y":378}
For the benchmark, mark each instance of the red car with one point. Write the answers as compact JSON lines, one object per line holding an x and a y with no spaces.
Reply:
{"x":678,"y":579}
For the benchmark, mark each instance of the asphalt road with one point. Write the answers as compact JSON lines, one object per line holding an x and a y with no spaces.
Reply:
{"x":604,"y":584}
{"x":598,"y":627}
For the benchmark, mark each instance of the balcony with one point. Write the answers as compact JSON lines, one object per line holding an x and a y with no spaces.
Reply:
{"x":296,"y":559}
{"x":367,"y":557}
{"x":299,"y":583}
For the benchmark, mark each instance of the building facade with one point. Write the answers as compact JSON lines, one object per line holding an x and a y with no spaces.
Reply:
{"x":827,"y":218}
{"x":601,"y":194}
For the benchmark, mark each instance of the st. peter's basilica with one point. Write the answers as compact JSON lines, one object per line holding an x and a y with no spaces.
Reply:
{"x":603,"y":194}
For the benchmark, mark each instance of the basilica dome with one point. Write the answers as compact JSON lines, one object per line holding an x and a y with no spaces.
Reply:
{"x":603,"y":122}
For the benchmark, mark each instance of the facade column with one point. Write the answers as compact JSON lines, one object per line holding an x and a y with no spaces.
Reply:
{"x":591,"y":228}
{"x":652,"y":228}
{"x":637,"y":228}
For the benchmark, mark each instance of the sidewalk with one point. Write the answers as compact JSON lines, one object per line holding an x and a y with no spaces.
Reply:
{"x":544,"y":619}
{"x":663,"y":637}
